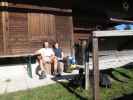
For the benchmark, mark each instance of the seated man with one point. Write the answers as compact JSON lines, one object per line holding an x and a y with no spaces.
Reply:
{"x":59,"y":54}
{"x":46,"y":56}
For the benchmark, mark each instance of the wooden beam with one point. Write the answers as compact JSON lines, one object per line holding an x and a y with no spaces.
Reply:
{"x":113,"y":33}
{"x":3,"y":3}
{"x":18,"y":55}
{"x":84,"y":29}
{"x":34,"y":7}
{"x":96,"y":94}
{"x":120,"y":20}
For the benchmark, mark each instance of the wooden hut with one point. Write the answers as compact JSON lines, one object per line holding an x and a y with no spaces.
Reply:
{"x":25,"y":25}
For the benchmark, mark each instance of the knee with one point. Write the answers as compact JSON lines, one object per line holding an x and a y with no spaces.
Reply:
{"x":39,"y":59}
{"x":54,"y":60}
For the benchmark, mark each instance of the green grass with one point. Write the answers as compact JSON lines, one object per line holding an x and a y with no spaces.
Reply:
{"x":62,"y":91}
{"x":51,"y":92}
{"x":118,"y":88}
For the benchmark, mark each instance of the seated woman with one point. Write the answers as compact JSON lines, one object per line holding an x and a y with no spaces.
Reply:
{"x":59,"y":54}
{"x":47,"y":56}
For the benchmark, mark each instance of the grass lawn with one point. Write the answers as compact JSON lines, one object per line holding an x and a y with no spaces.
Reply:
{"x":122,"y":86}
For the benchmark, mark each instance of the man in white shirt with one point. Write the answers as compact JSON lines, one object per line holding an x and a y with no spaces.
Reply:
{"x":46,"y":55}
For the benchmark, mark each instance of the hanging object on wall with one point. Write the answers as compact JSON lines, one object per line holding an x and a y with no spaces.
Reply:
{"x":125,"y":5}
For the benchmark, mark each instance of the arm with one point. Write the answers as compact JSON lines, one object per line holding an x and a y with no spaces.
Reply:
{"x":37,"y":52}
{"x":38,"y":55}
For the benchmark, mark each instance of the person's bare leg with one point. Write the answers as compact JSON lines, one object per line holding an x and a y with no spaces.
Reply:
{"x":60,"y":67}
{"x":41,"y":63}
{"x":55,"y":64}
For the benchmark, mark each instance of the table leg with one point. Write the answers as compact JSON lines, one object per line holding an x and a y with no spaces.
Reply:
{"x":29,"y":69}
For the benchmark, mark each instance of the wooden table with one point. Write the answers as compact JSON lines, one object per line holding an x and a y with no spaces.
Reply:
{"x":27,"y":56}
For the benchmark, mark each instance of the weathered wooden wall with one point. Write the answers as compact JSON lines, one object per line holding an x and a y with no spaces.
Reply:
{"x":81,"y":36}
{"x":26,"y":31}
{"x":1,"y":36}
{"x":64,"y":31}
{"x":24,"y":28}
{"x":41,"y":27}
{"x":17,"y":36}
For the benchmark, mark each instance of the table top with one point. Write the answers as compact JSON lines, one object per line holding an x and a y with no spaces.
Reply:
{"x":18,"y":55}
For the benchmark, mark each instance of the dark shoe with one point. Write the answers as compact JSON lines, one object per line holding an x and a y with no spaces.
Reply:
{"x":40,"y":77}
{"x":43,"y":75}
{"x":58,"y":75}
{"x":54,"y":73}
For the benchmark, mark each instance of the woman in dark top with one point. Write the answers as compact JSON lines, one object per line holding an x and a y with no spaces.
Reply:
{"x":59,"y":54}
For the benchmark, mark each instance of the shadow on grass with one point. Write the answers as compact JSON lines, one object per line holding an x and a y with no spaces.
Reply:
{"x":123,"y":74}
{"x":110,"y":71}
{"x":120,"y":76}
{"x":68,"y":86}
{"x":125,"y":97}
{"x":128,"y":66}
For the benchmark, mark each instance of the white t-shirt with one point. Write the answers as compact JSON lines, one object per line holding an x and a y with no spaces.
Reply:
{"x":46,"y":53}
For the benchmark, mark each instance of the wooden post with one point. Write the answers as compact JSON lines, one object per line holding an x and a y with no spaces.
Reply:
{"x":87,"y":79}
{"x":4,"y":27}
{"x":96,"y":35}
{"x":87,"y":75}
{"x":29,"y":68}
{"x":72,"y":38}
{"x":95,"y":70}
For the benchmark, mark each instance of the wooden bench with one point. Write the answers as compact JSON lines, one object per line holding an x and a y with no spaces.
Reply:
{"x":28,"y":58}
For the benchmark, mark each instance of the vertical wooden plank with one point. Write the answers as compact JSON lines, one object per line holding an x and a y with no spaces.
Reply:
{"x":54,"y":28}
{"x":52,"y":24}
{"x":1,"y":35}
{"x":42,"y":24}
{"x":4,"y":29}
{"x":64,"y":27}
{"x":87,"y":79}
{"x":17,"y":37}
{"x":87,"y":75}
{"x":72,"y":37}
{"x":46,"y":25}
{"x":29,"y":23}
{"x":48,"y":19}
{"x":4,"y":26}
{"x":95,"y":70}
